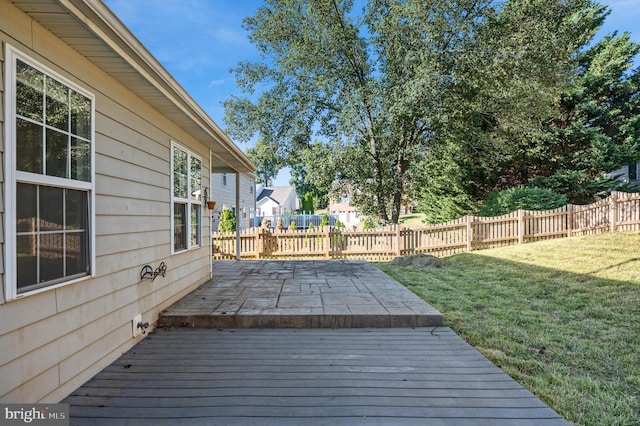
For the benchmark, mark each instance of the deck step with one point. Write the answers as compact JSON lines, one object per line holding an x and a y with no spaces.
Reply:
{"x":300,"y":294}
{"x":301,"y":321}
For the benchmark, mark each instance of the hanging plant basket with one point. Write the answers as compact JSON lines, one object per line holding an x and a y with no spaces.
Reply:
{"x":211,"y":205}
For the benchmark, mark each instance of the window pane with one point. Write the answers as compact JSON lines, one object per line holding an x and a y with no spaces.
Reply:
{"x":179,"y":173}
{"x":179,"y":226}
{"x":195,"y":225}
{"x":76,"y":209}
{"x":26,"y":208}
{"x":80,"y":115}
{"x":51,"y":257}
{"x":196,"y":179}
{"x":56,"y":159}
{"x":77,"y":253}
{"x":29,"y":90}
{"x":27,"y":250}
{"x":29,"y":147}
{"x":57,"y":104}
{"x":51,"y":211}
{"x":80,"y":160}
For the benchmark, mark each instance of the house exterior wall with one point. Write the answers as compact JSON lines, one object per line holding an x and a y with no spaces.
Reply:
{"x":268,"y":207}
{"x":223,"y":192}
{"x":55,"y":340}
{"x":345,"y":213}
{"x":626,"y":174}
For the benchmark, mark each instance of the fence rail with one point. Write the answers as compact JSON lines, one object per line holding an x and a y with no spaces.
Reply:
{"x":618,"y":212}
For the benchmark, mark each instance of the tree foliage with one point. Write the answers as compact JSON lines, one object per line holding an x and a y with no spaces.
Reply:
{"x":266,"y":158}
{"x":503,"y":202}
{"x":450,"y":99}
{"x":370,"y":84}
{"x":227,"y":221}
{"x":313,"y":170}
{"x":584,"y":124}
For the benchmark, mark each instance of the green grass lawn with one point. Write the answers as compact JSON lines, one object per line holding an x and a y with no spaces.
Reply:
{"x":579,"y":298}
{"x":414,"y":220}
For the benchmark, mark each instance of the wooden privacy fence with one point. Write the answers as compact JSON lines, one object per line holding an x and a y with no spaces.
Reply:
{"x":618,"y":212}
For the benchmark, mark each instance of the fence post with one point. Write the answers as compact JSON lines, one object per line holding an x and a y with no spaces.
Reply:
{"x":613,"y":212}
{"x":569,"y":219}
{"x":327,"y":242}
{"x":520,"y":226}
{"x":256,"y":244}
{"x":398,"y":249}
{"x":469,"y":233}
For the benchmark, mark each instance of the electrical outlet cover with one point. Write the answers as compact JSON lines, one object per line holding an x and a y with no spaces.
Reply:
{"x":134,"y":324}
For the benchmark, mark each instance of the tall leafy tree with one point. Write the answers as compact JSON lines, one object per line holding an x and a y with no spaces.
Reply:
{"x":313,"y":171}
{"x":537,"y":107}
{"x":597,"y":127}
{"x":267,"y":160}
{"x":372,"y":84}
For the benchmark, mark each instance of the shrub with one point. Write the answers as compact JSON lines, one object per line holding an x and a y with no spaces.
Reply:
{"x":307,"y":202}
{"x":325,"y":220}
{"x":292,"y":225}
{"x":370,"y":223}
{"x":526,"y":198}
{"x":227,"y":221}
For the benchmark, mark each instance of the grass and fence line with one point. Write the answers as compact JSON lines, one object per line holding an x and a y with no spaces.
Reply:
{"x":618,"y":212}
{"x":562,"y":317}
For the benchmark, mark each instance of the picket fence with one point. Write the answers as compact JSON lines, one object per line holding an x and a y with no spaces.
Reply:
{"x":618,"y":212}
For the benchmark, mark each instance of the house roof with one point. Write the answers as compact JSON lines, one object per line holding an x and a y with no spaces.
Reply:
{"x":278,"y":194}
{"x":94,"y":31}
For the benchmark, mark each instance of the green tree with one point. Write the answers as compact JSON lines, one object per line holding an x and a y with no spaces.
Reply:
{"x":499,"y":203}
{"x":371,"y":84}
{"x":307,"y":202}
{"x":597,"y":127}
{"x":313,"y":170}
{"x":267,"y":160}
{"x":227,"y":221}
{"x":556,"y":114}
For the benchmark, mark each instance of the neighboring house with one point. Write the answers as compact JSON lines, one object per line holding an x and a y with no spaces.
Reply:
{"x":105,"y":163}
{"x":345,"y":212}
{"x":276,"y":200}
{"x":628,"y":174}
{"x":223,"y":192}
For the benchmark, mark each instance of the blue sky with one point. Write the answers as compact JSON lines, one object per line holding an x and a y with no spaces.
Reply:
{"x":199,"y":41}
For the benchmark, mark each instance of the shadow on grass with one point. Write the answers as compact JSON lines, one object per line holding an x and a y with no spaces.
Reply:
{"x":572,"y":339}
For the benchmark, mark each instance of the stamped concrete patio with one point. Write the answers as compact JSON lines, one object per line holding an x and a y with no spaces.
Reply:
{"x":300,"y":294}
{"x":304,"y":343}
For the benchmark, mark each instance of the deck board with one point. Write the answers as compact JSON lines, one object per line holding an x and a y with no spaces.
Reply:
{"x":303,"y":376}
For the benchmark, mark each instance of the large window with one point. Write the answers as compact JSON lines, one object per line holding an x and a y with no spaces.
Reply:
{"x":186,"y":199}
{"x":49,"y":165}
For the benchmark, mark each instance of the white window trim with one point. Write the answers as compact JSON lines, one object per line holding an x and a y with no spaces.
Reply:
{"x":189,"y":201}
{"x":13,"y":175}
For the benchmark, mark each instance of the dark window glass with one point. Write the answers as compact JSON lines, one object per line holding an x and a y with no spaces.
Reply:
{"x":56,"y":157}
{"x":29,"y":91}
{"x":51,"y":208}
{"x":28,"y":147}
{"x":80,"y":160}
{"x":52,"y":235}
{"x":179,"y":226}
{"x":57,"y":106}
{"x":77,"y":253}
{"x":80,"y":115}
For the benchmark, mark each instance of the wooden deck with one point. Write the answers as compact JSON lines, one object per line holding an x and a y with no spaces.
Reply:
{"x":421,"y":376}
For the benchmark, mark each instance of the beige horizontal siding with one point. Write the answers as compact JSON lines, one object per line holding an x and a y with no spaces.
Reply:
{"x":56,"y":340}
